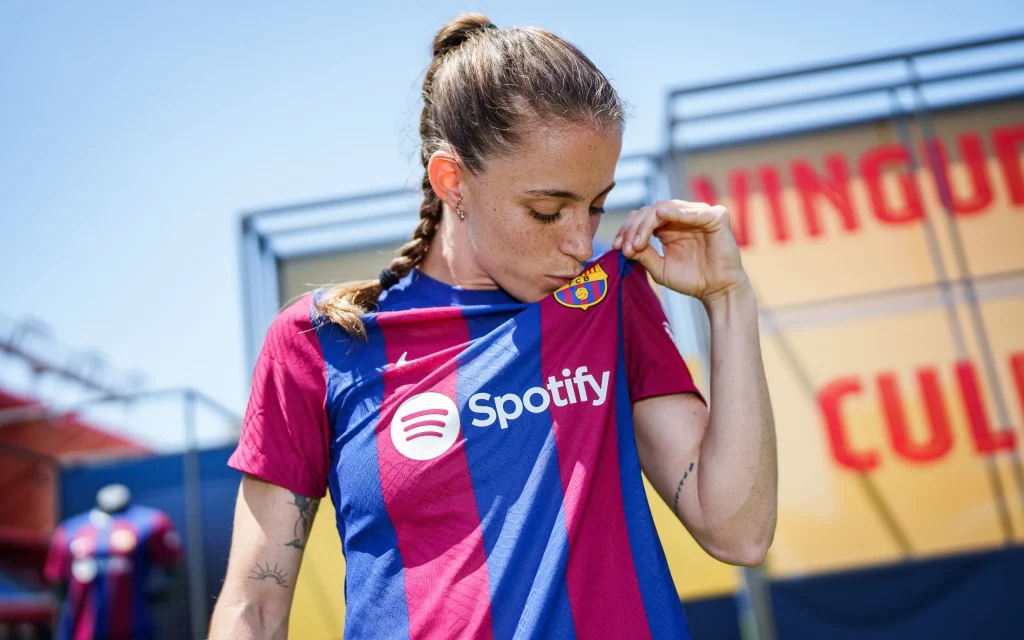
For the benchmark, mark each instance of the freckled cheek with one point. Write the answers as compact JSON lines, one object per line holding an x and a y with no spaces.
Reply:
{"x":517,"y":245}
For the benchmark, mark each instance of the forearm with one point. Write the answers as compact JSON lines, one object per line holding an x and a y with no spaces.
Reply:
{"x":738,"y":471}
{"x":271,"y":529}
{"x":247,"y":620}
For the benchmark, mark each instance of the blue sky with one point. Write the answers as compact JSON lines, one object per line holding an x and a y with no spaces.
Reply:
{"x":133,"y":135}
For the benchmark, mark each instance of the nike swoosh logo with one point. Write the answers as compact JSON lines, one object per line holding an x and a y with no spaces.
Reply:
{"x":401,"y":359}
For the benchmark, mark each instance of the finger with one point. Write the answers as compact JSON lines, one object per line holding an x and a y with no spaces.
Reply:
{"x":620,"y":236}
{"x":680,"y":204}
{"x":646,"y":226}
{"x":689,"y":216}
{"x":628,"y":232}
{"x":652,"y":261}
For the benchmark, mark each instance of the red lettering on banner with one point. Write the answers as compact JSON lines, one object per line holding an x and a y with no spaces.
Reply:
{"x":973,"y":155}
{"x":872,"y":169}
{"x":940,"y":439}
{"x":891,"y":206}
{"x":703,"y":190}
{"x":830,"y":398}
{"x":985,"y":440}
{"x":1017,"y":369}
{"x":834,"y":189}
{"x":773,"y":193}
{"x":1006,"y":141}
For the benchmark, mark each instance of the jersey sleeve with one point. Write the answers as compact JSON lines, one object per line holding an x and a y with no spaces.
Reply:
{"x":653,"y":364}
{"x":58,"y":557}
{"x":164,"y":544}
{"x":285,"y":434}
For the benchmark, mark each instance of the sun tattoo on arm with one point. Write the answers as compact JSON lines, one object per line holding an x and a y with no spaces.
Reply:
{"x":266,"y":572}
{"x":307,"y":509}
{"x":686,"y":474}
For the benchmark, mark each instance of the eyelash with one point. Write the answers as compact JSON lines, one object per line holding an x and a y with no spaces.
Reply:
{"x":548,"y":219}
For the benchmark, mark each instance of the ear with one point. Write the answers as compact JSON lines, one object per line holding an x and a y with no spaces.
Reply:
{"x":445,"y":175}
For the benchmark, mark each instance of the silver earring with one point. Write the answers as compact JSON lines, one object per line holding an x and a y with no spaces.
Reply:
{"x":459,"y":212}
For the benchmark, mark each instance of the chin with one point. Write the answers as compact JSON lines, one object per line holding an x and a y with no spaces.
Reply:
{"x":530,"y":293}
{"x":532,"y":296}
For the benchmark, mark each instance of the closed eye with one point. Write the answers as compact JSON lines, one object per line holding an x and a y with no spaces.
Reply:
{"x":548,"y":218}
{"x":545,"y":217}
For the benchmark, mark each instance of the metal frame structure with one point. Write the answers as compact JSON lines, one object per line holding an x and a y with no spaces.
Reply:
{"x":841,"y":94}
{"x":909,"y":83}
{"x":87,"y":371}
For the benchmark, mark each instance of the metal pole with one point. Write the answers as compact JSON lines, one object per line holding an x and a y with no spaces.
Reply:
{"x":194,"y":523}
{"x":923,"y":114}
{"x":246,"y":250}
{"x":753,"y":601}
{"x":31,"y":413}
{"x":948,"y":299}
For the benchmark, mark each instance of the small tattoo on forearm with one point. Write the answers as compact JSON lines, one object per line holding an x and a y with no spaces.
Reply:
{"x":307,"y":509}
{"x":686,"y":474}
{"x":267,"y":573}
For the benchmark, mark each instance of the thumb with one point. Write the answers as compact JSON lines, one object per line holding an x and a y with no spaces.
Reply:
{"x":653,"y":261}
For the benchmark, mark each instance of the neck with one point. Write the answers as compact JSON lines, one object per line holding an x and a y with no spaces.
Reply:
{"x":449,"y":259}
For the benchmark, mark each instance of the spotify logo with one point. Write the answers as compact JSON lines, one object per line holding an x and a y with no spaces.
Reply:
{"x":425,"y":426}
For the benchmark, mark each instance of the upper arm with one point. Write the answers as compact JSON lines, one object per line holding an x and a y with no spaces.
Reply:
{"x":669,"y":431}
{"x":669,"y":413}
{"x":271,"y":527}
{"x":285,"y":437}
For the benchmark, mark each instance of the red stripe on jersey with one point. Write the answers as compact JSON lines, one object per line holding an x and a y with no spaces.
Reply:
{"x":431,"y":502}
{"x":81,"y":604}
{"x":84,"y":618}
{"x":588,"y":458}
{"x":120,"y":577}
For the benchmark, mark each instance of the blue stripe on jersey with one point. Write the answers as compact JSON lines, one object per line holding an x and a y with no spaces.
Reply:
{"x":513,"y":475}
{"x":373,"y":564}
{"x":661,"y":602}
{"x":99,"y":585}
{"x":144,"y":521}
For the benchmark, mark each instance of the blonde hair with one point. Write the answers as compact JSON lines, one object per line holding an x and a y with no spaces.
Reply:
{"x":482,"y":85}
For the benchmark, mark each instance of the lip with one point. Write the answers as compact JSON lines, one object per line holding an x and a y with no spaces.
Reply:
{"x":561,"y":280}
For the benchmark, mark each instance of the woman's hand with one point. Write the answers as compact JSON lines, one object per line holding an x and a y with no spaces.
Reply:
{"x":701,"y":257}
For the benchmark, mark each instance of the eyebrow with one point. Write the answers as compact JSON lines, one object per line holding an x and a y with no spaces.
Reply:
{"x":565,"y":195}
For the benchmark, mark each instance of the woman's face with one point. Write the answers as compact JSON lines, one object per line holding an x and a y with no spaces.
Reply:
{"x":531,"y":215}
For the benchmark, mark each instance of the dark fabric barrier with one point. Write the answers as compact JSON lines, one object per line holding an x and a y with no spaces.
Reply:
{"x":713,"y":618}
{"x":976,"y":595}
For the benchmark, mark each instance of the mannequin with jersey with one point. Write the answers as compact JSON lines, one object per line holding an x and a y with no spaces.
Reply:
{"x":99,"y":562}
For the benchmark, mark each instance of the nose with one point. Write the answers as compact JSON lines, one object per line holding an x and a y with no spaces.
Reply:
{"x":578,"y":241}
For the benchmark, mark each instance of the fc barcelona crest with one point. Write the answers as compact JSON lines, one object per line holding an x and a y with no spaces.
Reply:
{"x":585,"y":291}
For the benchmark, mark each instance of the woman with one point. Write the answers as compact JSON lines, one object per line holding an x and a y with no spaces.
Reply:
{"x":482,"y":411}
